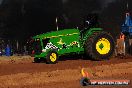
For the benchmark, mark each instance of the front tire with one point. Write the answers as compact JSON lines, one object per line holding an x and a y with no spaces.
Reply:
{"x":52,"y":57}
{"x":100,"y":46}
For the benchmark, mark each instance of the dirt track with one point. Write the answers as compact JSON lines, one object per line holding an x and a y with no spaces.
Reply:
{"x":20,"y":72}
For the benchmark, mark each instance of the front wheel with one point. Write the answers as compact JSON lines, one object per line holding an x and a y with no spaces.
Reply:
{"x":52,"y":57}
{"x":100,"y":46}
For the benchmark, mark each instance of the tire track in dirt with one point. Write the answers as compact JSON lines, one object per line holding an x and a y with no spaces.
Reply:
{"x":26,"y":66}
{"x":59,"y":76}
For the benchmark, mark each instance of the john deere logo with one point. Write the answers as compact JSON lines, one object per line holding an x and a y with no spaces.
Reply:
{"x":60,"y":42}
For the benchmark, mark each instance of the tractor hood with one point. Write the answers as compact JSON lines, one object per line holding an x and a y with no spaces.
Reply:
{"x":59,"y":33}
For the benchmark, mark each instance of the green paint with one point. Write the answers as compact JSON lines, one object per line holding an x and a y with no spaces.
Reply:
{"x":66,"y":41}
{"x":101,"y":46}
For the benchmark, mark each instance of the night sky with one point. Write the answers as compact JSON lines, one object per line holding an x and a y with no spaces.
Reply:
{"x":21,"y":19}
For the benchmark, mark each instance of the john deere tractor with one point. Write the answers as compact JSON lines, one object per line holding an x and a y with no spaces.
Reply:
{"x":94,"y":42}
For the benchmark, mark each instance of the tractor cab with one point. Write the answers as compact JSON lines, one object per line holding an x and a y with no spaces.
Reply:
{"x":91,"y":21}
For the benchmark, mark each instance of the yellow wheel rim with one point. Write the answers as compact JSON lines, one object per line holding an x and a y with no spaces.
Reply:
{"x":103,"y":46}
{"x":53,"y":57}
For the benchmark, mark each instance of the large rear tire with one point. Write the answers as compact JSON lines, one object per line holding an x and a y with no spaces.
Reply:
{"x":100,"y":46}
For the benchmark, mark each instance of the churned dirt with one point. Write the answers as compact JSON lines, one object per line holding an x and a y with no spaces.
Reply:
{"x":20,"y":72}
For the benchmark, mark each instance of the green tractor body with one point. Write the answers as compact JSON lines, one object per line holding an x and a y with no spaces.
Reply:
{"x":93,"y":42}
{"x":60,"y":41}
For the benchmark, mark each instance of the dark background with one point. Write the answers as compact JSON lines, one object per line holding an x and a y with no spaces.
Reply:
{"x":21,"y":19}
